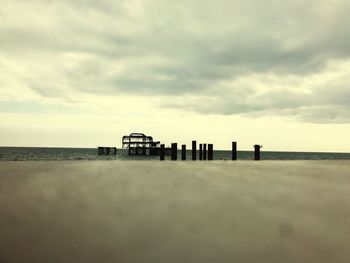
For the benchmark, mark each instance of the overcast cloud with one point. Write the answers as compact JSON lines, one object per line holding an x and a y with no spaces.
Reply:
{"x":255,"y":58}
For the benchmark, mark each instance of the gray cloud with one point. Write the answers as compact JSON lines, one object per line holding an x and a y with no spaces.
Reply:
{"x":187,"y":50}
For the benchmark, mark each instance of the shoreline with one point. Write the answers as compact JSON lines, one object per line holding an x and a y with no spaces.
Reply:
{"x":174,"y":211}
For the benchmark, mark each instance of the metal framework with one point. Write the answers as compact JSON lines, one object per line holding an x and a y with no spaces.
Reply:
{"x":140,"y":144}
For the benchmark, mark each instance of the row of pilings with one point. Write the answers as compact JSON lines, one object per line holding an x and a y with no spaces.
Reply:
{"x":203,"y":153}
{"x":106,"y":150}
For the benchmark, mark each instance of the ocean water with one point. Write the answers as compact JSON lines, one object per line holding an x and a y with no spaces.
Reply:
{"x":41,"y":153}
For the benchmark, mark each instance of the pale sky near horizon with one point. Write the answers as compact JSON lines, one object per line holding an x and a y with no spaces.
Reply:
{"x":83,"y":73}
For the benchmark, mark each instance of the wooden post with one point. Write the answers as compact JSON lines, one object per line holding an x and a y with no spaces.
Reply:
{"x":108,"y":150}
{"x":174,"y":151}
{"x":183,"y":152}
{"x":204,"y":151}
{"x":161,"y":155}
{"x":99,"y":151}
{"x":114,"y":150}
{"x":257,"y":152}
{"x":194,"y":150}
{"x":200,"y":157}
{"x":210,"y":152}
{"x":234,"y":150}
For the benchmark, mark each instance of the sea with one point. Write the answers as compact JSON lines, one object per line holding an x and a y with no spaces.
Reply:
{"x":58,"y":154}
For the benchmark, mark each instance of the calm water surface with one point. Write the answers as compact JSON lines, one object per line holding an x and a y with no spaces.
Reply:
{"x":38,"y":153}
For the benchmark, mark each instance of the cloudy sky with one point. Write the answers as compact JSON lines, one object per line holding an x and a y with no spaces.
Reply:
{"x":83,"y":73}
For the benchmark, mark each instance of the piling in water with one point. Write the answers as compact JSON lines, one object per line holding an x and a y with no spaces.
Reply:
{"x":183,"y":152}
{"x":204,"y":151}
{"x":174,"y":151}
{"x":257,"y":152}
{"x":114,"y":150}
{"x":200,"y":152}
{"x":234,"y":150}
{"x":100,"y":151}
{"x":194,"y":150}
{"x":210,"y":152}
{"x":162,"y":152}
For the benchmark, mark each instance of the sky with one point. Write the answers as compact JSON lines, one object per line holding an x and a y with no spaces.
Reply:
{"x":84,"y":73}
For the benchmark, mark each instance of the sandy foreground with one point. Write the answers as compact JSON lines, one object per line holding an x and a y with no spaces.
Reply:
{"x":150,"y":211}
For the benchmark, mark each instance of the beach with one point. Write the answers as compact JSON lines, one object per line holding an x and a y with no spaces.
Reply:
{"x":183,"y":211}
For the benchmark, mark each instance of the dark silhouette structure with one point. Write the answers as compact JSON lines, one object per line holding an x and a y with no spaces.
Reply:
{"x":106,"y":150}
{"x":183,"y":152}
{"x":234,"y":150}
{"x":194,"y":150}
{"x":210,"y":152}
{"x":174,"y":151}
{"x":257,"y":152}
{"x":162,"y":152}
{"x":140,"y":144}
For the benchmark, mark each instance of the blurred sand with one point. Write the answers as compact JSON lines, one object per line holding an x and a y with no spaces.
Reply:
{"x":149,"y":211}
